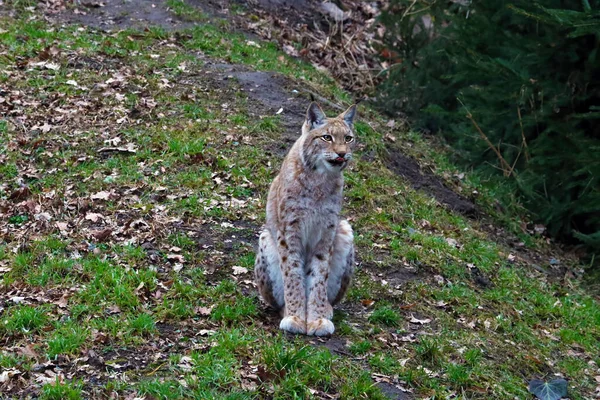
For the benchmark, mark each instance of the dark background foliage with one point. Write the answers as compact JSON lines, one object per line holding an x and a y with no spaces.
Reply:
{"x":515,"y":88}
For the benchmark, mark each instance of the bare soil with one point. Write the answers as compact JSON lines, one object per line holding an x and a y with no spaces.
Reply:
{"x":410,"y":169}
{"x":126,"y":14}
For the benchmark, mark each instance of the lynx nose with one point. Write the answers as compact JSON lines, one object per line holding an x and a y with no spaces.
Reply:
{"x":341,"y":155}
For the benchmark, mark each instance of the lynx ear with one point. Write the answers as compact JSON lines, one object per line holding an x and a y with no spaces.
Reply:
{"x":349,"y":114}
{"x":315,"y":116}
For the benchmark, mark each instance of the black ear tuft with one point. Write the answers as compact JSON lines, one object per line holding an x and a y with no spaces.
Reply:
{"x":315,"y":115}
{"x":349,"y":115}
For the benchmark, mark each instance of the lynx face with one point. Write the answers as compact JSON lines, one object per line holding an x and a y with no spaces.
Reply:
{"x":329,"y":141}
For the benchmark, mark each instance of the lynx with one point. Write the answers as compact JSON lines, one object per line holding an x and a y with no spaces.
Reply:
{"x":305,"y":258}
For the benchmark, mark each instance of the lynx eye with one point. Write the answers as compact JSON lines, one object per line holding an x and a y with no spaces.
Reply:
{"x":349,"y":139}
{"x":326,"y":138}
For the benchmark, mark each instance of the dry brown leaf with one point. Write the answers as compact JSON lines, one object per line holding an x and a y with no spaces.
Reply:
{"x":367,"y":302}
{"x":103,"y":195}
{"x":63,"y":301}
{"x":239,"y":270}
{"x":204,"y":311}
{"x":29,"y":352}
{"x":20,"y":194}
{"x":419,"y":321}
{"x":102,"y":235}
{"x":137,"y":289}
{"x":113,"y":310}
{"x":176,"y":257}
{"x":94,"y":217}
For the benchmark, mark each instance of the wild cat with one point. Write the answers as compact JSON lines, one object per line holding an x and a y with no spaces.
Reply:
{"x":305,"y":257}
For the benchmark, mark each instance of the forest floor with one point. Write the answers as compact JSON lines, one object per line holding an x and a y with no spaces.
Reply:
{"x":138,"y":140}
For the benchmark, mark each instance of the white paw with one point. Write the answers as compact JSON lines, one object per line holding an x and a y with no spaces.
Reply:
{"x":293,"y":325}
{"x":320,"y":327}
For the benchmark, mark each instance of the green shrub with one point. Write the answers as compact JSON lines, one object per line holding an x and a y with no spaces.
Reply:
{"x":515,"y":87}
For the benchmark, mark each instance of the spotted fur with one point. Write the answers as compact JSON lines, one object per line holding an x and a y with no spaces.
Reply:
{"x":305,"y":258}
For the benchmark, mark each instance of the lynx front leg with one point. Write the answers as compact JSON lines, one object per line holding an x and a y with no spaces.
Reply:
{"x":294,"y":291}
{"x":328,"y":288}
{"x":319,"y":310}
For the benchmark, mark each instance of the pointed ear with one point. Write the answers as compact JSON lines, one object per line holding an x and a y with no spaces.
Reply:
{"x":315,"y":116}
{"x":349,"y":114}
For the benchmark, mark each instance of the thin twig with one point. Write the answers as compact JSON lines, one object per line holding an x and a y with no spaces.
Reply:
{"x":322,"y":99}
{"x":408,"y":9}
{"x":512,"y":167}
{"x":523,"y":134}
{"x":505,"y":167}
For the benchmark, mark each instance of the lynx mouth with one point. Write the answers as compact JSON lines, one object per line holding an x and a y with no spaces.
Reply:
{"x":337,"y":161}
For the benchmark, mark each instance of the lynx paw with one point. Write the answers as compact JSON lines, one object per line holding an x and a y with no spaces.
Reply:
{"x":320,"y":327}
{"x":293,"y":325}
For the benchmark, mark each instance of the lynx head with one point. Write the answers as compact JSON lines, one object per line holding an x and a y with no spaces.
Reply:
{"x":328,"y":142}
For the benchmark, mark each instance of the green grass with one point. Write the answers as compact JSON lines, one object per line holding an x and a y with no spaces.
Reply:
{"x":429,"y":351}
{"x":24,"y":319}
{"x":142,"y":324}
{"x":68,"y":338}
{"x":157,"y":298}
{"x":385,"y":316}
{"x":62,"y":391}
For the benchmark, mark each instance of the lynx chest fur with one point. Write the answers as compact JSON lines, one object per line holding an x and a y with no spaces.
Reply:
{"x":305,"y":258}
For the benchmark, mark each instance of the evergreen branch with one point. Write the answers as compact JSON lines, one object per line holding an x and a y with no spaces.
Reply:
{"x":586,"y":5}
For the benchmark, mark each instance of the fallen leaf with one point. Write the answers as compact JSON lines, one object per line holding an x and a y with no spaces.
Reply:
{"x":553,"y":390}
{"x":176,"y":257}
{"x":390,"y":137}
{"x":204,"y":311}
{"x":102,"y":235}
{"x":94,"y":217}
{"x":367,"y":302}
{"x":100,"y":196}
{"x":419,"y":321}
{"x":113,"y":310}
{"x":62,"y":227}
{"x":7,"y":374}
{"x":177,"y":267}
{"x":137,"y":289}
{"x":239,"y":270}
{"x":20,"y":194}
{"x":334,"y":12}
{"x":185,"y":363}
{"x":452,"y":242}
{"x":29,"y":352}
{"x":63,"y":301}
